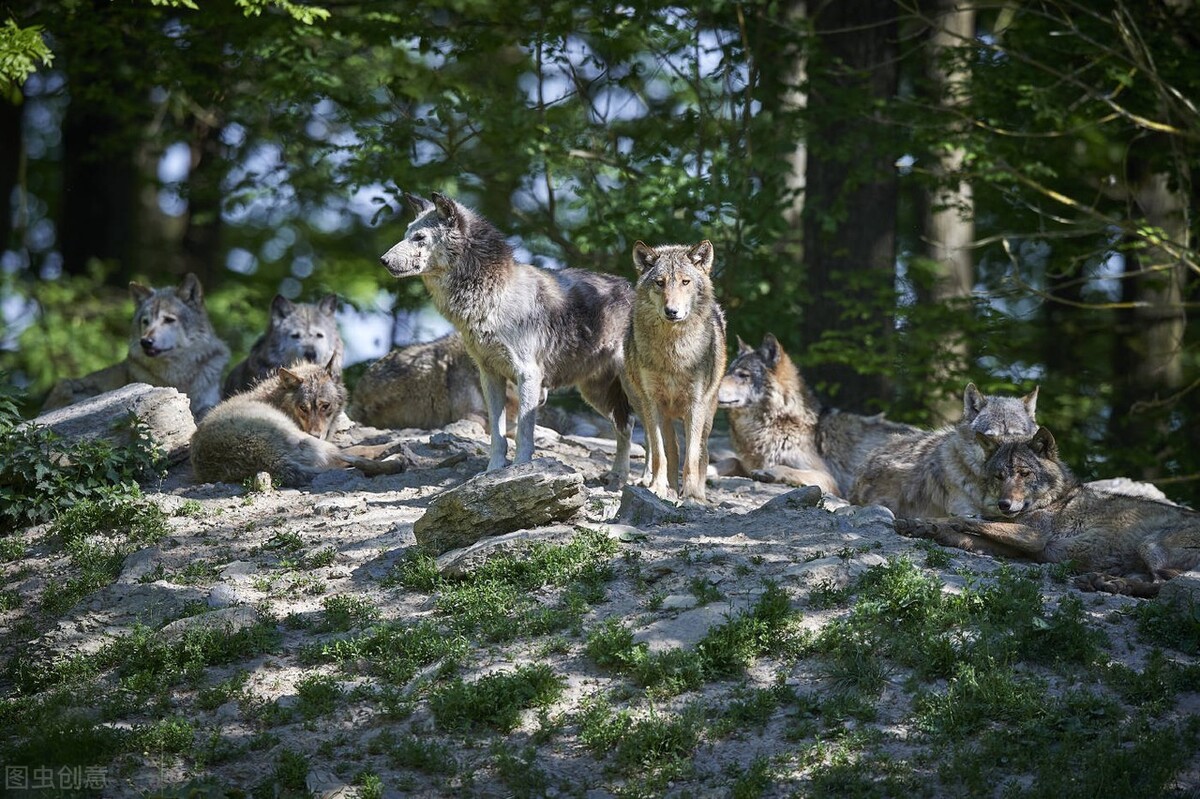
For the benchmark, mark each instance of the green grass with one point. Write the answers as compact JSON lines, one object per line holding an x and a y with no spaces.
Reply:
{"x":495,"y":700}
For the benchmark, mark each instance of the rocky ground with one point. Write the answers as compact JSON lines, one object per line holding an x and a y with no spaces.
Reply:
{"x":627,"y":688}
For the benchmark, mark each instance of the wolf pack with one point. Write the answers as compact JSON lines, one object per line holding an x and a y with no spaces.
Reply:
{"x":653,"y":349}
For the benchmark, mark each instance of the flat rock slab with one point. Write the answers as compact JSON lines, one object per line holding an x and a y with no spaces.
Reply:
{"x":165,"y":411}
{"x":459,"y":562}
{"x":643,"y":508}
{"x":689,"y":627}
{"x":519,"y":497}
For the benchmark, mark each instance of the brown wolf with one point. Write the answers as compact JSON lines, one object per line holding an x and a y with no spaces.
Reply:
{"x":1052,"y":518}
{"x":940,"y":473}
{"x":537,"y":328}
{"x":674,"y":358}
{"x":295,"y":332}
{"x":781,"y":433}
{"x":171,"y":343}
{"x":280,"y":426}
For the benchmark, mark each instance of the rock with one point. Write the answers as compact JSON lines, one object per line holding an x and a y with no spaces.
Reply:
{"x":797,"y":499}
{"x":872,"y":514}
{"x":640,"y":507}
{"x":165,"y":411}
{"x":493,"y":503}
{"x":834,"y":572}
{"x":139,"y":564}
{"x":458,"y":562}
{"x":228,"y":620}
{"x":1182,"y":593}
{"x":689,"y":628}
{"x":261,"y":483}
{"x":341,"y":507}
{"x":223,"y":595}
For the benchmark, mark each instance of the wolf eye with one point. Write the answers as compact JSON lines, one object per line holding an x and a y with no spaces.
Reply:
{"x":686,"y":281}
{"x":418,"y":238}
{"x":662,"y":281}
{"x":323,"y":407}
{"x":170,"y":320}
{"x":320,"y":334}
{"x":742,"y":374}
{"x":296,"y":334}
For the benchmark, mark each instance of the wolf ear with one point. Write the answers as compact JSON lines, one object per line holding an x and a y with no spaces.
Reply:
{"x":973,"y":402}
{"x":743,"y":347}
{"x":329,"y":367}
{"x":419,"y":205}
{"x":447,"y":209}
{"x":702,"y":255}
{"x":1043,"y":444}
{"x":139,"y":292}
{"x":643,"y":256}
{"x":288,"y":378}
{"x":770,"y":350}
{"x":1030,"y":402}
{"x":281,"y":307}
{"x":190,"y":290}
{"x":328,"y":304}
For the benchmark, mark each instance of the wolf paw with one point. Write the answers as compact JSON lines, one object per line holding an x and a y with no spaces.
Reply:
{"x":1110,"y":584}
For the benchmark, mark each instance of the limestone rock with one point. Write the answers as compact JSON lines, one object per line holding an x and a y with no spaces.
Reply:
{"x":458,"y":562}
{"x":797,"y":499}
{"x":1183,"y":592}
{"x":641,"y":508}
{"x":493,"y":503}
{"x":165,"y":411}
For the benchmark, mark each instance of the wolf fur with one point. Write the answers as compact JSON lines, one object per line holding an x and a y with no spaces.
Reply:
{"x":940,"y":473}
{"x":280,"y":425}
{"x":171,"y":343}
{"x":295,"y":332}
{"x":1127,"y":544}
{"x":674,"y":358}
{"x":781,"y":433}
{"x":424,"y":385}
{"x":535,"y":327}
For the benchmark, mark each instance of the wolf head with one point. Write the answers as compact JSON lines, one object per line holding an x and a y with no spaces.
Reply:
{"x":168,"y":319}
{"x":445,"y":234}
{"x":313,"y":396}
{"x":746,"y":381}
{"x":996,"y":420}
{"x":1026,"y":475}
{"x":303,"y":331}
{"x":674,"y":278}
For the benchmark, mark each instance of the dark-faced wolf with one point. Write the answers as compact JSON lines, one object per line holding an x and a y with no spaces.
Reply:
{"x":295,"y":332}
{"x":538,"y":328}
{"x":781,"y":433}
{"x":171,"y":343}
{"x":1126,"y":544}
{"x":674,"y":358}
{"x":940,"y":473}
{"x":280,"y":426}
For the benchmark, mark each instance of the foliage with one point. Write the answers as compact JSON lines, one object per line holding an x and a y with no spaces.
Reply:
{"x":21,"y":50}
{"x":41,"y":474}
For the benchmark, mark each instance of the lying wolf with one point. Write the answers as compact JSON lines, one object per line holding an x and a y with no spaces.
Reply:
{"x":171,"y":343}
{"x":280,"y":425}
{"x":535,"y":327}
{"x":295,"y":332}
{"x":781,"y":433}
{"x":1128,"y":544}
{"x":674,"y":357}
{"x":940,"y":473}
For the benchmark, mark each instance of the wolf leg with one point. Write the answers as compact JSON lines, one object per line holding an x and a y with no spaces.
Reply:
{"x":965,"y":534}
{"x":656,"y":454}
{"x":695,"y":435}
{"x":529,"y":397}
{"x":1112,"y":584}
{"x":494,"y":387}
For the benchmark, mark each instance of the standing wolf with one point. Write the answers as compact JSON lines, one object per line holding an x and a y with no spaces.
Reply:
{"x":1052,"y":518}
{"x":674,"y":358}
{"x":295,"y":332}
{"x":171,"y":343}
{"x":536,"y":327}
{"x":940,"y":473}
{"x":280,"y":426}
{"x":781,"y":433}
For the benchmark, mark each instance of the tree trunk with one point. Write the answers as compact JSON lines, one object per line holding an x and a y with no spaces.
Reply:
{"x":850,"y":199}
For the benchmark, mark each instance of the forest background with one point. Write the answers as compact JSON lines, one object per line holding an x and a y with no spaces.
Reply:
{"x":910,"y":195}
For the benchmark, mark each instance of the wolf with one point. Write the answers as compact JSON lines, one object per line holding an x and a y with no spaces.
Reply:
{"x":295,"y":332}
{"x":1038,"y":510}
{"x":940,"y":473}
{"x":171,"y":343}
{"x":674,"y":358}
{"x":535,"y":327}
{"x":781,"y":432}
{"x":280,"y":425}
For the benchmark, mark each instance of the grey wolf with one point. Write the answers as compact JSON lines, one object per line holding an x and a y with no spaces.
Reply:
{"x":674,"y":359}
{"x":1049,"y":517}
{"x":171,"y":343}
{"x":280,"y":425}
{"x":780,"y":431}
{"x":537,"y":328}
{"x":295,"y":332}
{"x":940,"y":473}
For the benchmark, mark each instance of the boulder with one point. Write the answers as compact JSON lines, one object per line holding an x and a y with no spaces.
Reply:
{"x":519,"y":497}
{"x":642,"y":508}
{"x":165,"y":411}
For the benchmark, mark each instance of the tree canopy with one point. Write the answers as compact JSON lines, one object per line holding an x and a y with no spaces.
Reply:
{"x":264,"y":145}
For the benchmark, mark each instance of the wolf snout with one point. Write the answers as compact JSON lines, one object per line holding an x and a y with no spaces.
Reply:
{"x":673,"y":314}
{"x":1010,"y":507}
{"x":148,"y":346}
